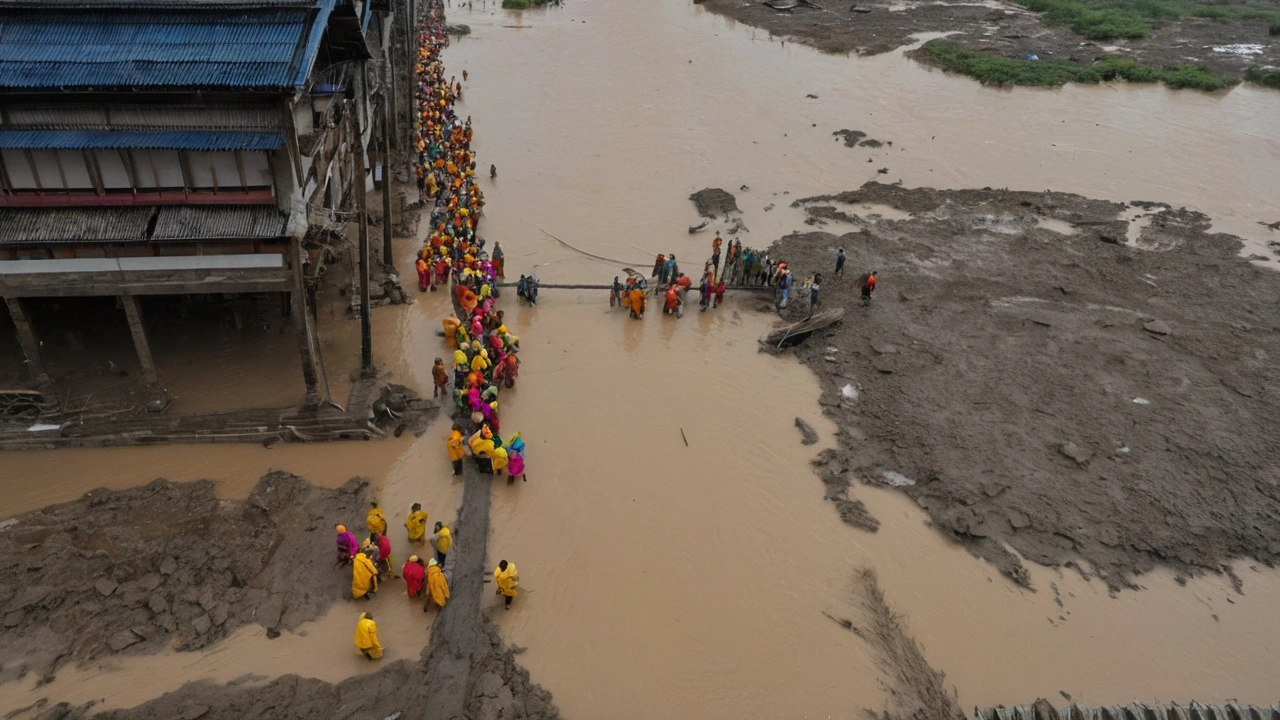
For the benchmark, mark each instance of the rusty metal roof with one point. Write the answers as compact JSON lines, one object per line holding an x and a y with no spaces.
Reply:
{"x":166,"y":223}
{"x":183,"y":222}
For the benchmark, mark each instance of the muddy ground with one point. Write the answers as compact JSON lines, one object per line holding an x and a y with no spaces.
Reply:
{"x":500,"y":689}
{"x":915,"y":689}
{"x":1071,"y":396}
{"x":165,"y":564}
{"x":1003,"y":28}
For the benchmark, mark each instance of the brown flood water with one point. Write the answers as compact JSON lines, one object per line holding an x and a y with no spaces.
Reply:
{"x":665,"y":580}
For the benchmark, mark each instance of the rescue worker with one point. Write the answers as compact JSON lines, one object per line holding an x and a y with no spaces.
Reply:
{"x":416,"y":524}
{"x":813,"y":291}
{"x":421,"y":267}
{"x":383,"y":560}
{"x":672,"y":300}
{"x":348,"y":546}
{"x":375,"y":520}
{"x":437,"y":586}
{"x":367,"y":637}
{"x":443,"y":540}
{"x":364,"y":576}
{"x":507,"y":580}
{"x":415,"y":576}
{"x":440,"y":378}
{"x":840,"y":263}
{"x":637,"y":303}
{"x":456,"y":450}
{"x":867,"y":284}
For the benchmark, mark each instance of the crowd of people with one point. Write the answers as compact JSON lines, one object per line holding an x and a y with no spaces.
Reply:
{"x":484,"y":350}
{"x":742,"y":267}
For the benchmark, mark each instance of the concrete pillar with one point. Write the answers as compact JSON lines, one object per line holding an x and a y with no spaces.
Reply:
{"x":139,"y":338}
{"x":30,"y":344}
{"x":304,"y":327}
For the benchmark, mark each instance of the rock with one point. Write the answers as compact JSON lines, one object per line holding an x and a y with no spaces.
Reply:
{"x":150,"y":582}
{"x":206,"y":600}
{"x":884,"y":348}
{"x":13,"y":619}
{"x":1156,"y":327}
{"x":809,"y":436}
{"x":105,"y":586}
{"x":31,"y":596}
{"x":158,"y":604}
{"x":122,"y":640}
{"x":1019,"y":519}
{"x":202,"y":624}
{"x":1073,"y":451}
{"x":219,"y":613}
{"x":269,"y":612}
{"x":143,"y":631}
{"x":167,"y":623}
{"x":168,"y":566}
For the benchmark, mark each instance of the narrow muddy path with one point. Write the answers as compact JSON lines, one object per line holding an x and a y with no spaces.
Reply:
{"x":692,"y":580}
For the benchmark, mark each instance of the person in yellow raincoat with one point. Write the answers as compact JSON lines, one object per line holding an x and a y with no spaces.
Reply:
{"x":500,"y":459}
{"x":460,"y":358}
{"x":481,"y":361}
{"x":456,"y":450}
{"x":416,"y":524}
{"x":375,"y":520}
{"x":364,"y":576}
{"x":451,"y":325}
{"x":508,"y":581}
{"x":367,"y":637}
{"x":482,"y":448}
{"x":443,"y":540}
{"x":437,"y":586}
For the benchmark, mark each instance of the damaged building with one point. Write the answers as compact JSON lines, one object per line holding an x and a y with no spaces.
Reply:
{"x":175,"y":180}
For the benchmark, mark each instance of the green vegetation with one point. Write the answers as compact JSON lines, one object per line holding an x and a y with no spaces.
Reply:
{"x":991,"y":69}
{"x":522,"y":4}
{"x":1107,"y":19}
{"x":1269,"y":78}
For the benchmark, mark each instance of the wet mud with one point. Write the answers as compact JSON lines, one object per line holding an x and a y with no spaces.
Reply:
{"x":1085,"y":401}
{"x":915,"y":690}
{"x":714,"y":202}
{"x":165,"y":565}
{"x":500,"y":689}
{"x":1004,"y":29}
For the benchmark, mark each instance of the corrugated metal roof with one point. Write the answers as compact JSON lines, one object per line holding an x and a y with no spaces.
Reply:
{"x":182,"y":222}
{"x":54,"y":225}
{"x":253,"y":48}
{"x":167,"y":223}
{"x":151,"y":139}
{"x":142,"y":116}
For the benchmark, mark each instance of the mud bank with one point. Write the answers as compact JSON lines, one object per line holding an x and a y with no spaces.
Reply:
{"x":1099,"y":395}
{"x":1005,"y":29}
{"x":165,"y":564}
{"x":501,"y":689}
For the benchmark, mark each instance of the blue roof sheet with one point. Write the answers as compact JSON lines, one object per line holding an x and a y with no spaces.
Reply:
{"x":244,"y":48}
{"x":159,"y":140}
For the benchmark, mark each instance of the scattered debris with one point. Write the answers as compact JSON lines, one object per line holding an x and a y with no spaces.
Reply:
{"x":809,"y":435}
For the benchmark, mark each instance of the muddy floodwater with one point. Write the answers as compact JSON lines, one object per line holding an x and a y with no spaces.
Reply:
{"x":675,"y":548}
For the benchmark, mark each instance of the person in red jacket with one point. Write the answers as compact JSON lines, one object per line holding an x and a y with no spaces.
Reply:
{"x":383,"y":544}
{"x":867,"y":284}
{"x":415,"y":576}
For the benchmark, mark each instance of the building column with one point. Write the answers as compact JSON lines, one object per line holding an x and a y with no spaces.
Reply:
{"x":304,"y":327}
{"x":139,"y":338}
{"x":30,"y":344}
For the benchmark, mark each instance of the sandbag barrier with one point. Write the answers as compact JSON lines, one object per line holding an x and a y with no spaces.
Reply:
{"x":1043,"y":710}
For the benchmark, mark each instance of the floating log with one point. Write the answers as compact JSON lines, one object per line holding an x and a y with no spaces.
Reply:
{"x":796,"y":332}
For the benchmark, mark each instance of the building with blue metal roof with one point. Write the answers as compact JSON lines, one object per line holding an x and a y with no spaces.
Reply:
{"x":180,"y":131}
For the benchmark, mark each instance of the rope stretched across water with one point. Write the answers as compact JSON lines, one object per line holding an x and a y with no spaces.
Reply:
{"x":601,"y":258}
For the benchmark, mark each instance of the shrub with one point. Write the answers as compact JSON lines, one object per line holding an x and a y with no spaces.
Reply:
{"x":1198,"y":77}
{"x":1269,"y":78}
{"x":996,"y":70}
{"x":1114,"y":68}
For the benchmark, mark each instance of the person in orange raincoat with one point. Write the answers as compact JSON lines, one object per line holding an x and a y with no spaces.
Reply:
{"x":637,"y":303}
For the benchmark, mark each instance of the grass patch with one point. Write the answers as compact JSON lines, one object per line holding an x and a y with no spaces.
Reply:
{"x":996,"y":70}
{"x":991,"y":69}
{"x":1108,"y":19}
{"x":522,"y":4}
{"x":1269,"y":78}
{"x":1197,"y":77}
